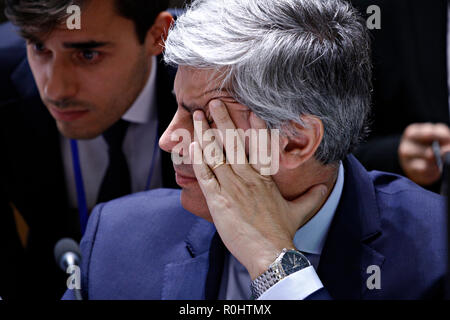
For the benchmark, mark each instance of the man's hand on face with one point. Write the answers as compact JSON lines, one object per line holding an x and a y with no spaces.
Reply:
{"x":251,"y":216}
{"x":415,"y":151}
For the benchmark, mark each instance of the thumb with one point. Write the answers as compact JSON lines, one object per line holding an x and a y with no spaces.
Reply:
{"x":304,"y":207}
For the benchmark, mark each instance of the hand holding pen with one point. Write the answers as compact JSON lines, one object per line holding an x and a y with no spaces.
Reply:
{"x":421,"y":149}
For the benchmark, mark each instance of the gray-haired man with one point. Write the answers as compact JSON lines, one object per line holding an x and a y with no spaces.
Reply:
{"x":320,"y":226}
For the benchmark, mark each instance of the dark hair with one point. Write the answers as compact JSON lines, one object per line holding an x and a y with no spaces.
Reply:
{"x":41,"y":16}
{"x":142,"y":12}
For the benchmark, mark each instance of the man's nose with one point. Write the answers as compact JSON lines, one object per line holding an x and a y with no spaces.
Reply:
{"x":175,"y":135}
{"x":61,"y":83}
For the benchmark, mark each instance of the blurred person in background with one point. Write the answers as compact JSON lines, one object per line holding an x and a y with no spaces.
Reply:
{"x":411,"y":89}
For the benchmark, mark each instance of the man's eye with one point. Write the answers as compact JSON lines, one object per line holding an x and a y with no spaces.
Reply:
{"x":39,"y":48}
{"x":89,"y":56}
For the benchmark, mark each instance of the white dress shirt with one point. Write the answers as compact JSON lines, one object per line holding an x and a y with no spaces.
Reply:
{"x":138,"y":147}
{"x":309,"y":239}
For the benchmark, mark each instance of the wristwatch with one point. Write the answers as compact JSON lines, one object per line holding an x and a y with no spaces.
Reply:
{"x":288,"y":262}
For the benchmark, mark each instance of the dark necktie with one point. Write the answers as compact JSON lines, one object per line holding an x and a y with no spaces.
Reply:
{"x":116,"y":182}
{"x":217,"y":253}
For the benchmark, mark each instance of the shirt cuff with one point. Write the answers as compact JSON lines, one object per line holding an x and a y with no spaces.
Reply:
{"x":296,"y":286}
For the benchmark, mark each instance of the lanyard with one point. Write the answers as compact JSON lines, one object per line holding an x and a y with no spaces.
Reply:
{"x":81,"y":194}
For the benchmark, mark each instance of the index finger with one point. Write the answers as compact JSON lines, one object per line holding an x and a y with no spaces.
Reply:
{"x":233,"y":138}
{"x":427,"y":133}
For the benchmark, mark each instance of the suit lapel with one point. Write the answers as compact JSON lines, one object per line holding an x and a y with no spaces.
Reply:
{"x":347,"y":252}
{"x":186,"y":279}
{"x":217,"y":253}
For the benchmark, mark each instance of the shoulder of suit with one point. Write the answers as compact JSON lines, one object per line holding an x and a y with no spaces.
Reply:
{"x":413,"y":225}
{"x":402,"y":201}
{"x":143,"y":211}
{"x":394,"y":184}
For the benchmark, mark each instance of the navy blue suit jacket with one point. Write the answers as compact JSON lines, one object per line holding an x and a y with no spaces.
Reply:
{"x":146,"y":246}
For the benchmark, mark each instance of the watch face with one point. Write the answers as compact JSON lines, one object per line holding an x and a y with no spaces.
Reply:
{"x":293,"y":261}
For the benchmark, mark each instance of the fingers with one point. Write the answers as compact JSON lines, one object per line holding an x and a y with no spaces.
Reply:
{"x":209,"y":139}
{"x":416,"y":154}
{"x":210,"y":143}
{"x":256,"y":146}
{"x":423,"y":172}
{"x":304,"y":207}
{"x":409,"y":149}
{"x":233,"y":139}
{"x":264,"y":147}
{"x":426,"y":133}
{"x":205,"y":177}
{"x":226,"y":126}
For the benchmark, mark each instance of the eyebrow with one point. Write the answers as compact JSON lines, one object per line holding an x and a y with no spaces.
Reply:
{"x":30,"y":38}
{"x":92,"y":44}
{"x":85,"y":45}
{"x":193,"y":107}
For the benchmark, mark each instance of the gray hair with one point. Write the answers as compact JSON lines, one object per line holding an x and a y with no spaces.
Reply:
{"x":284,"y":59}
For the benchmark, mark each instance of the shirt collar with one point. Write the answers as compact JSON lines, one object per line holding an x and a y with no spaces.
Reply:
{"x":311,"y":237}
{"x":142,"y":108}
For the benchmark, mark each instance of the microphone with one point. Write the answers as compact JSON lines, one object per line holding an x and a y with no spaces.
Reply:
{"x":68,"y":257}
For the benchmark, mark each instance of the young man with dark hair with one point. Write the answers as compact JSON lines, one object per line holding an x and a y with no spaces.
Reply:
{"x":81,"y":112}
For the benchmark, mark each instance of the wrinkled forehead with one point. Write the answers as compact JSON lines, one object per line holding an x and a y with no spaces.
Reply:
{"x":197,"y":83}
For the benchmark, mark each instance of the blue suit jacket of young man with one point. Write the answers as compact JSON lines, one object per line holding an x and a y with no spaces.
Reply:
{"x":146,"y":246}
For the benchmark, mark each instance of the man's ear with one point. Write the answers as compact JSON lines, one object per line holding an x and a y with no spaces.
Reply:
{"x":300,"y":143}
{"x":157,"y":34}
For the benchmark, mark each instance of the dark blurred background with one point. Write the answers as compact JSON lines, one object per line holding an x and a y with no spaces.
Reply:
{"x":2,"y":7}
{"x":173,"y":4}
